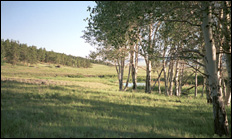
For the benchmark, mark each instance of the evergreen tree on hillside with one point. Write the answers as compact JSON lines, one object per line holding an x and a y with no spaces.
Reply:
{"x":32,"y":55}
{"x":41,"y":54}
{"x":24,"y":57}
{"x":13,"y":53}
{"x":3,"y":52}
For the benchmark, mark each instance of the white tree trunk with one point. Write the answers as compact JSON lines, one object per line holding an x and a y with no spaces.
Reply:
{"x":164,"y":68}
{"x":171,"y":78}
{"x":208,"y":92}
{"x":131,"y":65}
{"x":165,"y":79}
{"x":148,"y":62}
{"x":227,"y":94}
{"x":226,"y":19}
{"x":196,"y":81}
{"x":159,"y":83}
{"x":203,"y":87}
{"x":148,"y":76}
{"x":220,"y":117}
{"x":120,"y":70}
{"x":224,"y":89}
{"x":177,"y":78}
{"x":181,"y":77}
{"x":135,"y":68}
{"x":219,"y":70}
{"x":128,"y":78}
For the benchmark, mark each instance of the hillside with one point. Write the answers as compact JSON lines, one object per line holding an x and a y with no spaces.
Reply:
{"x":16,"y":53}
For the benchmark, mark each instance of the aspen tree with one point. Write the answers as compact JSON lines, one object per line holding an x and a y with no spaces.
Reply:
{"x":220,"y":118}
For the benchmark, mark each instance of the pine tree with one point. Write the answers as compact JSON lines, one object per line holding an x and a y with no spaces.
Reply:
{"x":23,"y":53}
{"x":13,"y":53}
{"x":32,"y":55}
{"x":3,"y":52}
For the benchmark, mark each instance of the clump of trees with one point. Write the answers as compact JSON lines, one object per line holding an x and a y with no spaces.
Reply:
{"x":193,"y":34}
{"x":14,"y":52}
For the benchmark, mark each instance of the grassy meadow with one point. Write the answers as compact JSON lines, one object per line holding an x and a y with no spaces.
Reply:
{"x":44,"y":101}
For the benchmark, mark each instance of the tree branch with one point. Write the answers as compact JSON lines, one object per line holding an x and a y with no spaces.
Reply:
{"x":157,"y":79}
{"x":182,"y":21}
{"x":197,"y":69}
{"x":198,"y":63}
{"x":194,"y":51}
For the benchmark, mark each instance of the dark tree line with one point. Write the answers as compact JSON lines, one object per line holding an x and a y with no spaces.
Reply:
{"x":14,"y":52}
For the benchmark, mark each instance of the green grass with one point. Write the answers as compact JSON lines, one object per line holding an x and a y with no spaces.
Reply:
{"x":92,"y":106}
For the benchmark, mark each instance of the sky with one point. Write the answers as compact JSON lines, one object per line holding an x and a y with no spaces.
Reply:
{"x":53,"y":25}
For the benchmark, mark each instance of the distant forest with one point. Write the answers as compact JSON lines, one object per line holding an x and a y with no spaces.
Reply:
{"x":14,"y":52}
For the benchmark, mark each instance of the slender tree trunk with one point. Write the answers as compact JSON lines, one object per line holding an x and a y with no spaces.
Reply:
{"x":196,"y":82}
{"x":226,"y":18}
{"x":128,"y":78}
{"x":168,"y":78}
{"x":228,"y":96}
{"x":228,"y":100}
{"x":148,"y":76}
{"x":227,"y":39}
{"x":220,"y":117}
{"x":135,"y":68}
{"x":227,"y":93}
{"x":157,"y":79}
{"x":224,"y":89}
{"x":165,"y":81}
{"x":219,"y":70}
{"x":131,"y":65}
{"x":177,"y":78}
{"x":159,"y":83}
{"x":203,"y":87}
{"x":164,"y":68}
{"x":118,"y":69}
{"x":148,"y":62}
{"x":228,"y":89}
{"x":171,"y":78}
{"x":228,"y":67}
{"x":122,"y":72}
{"x":181,"y":77}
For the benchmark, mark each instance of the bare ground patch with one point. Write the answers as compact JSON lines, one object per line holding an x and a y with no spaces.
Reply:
{"x":52,"y":82}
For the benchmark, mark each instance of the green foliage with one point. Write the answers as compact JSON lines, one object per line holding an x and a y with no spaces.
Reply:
{"x":24,"y":53}
{"x":32,"y":54}
{"x":3,"y":53}
{"x":14,"y":52}
{"x":2,"y":59}
{"x":41,"y":53}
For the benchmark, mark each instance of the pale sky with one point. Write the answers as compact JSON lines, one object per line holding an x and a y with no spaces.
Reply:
{"x":53,"y":25}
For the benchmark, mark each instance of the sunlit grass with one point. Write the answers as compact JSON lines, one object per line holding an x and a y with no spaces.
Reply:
{"x":93,"y":107}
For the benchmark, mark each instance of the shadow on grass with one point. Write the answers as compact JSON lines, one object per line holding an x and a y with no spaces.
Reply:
{"x":73,"y":116}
